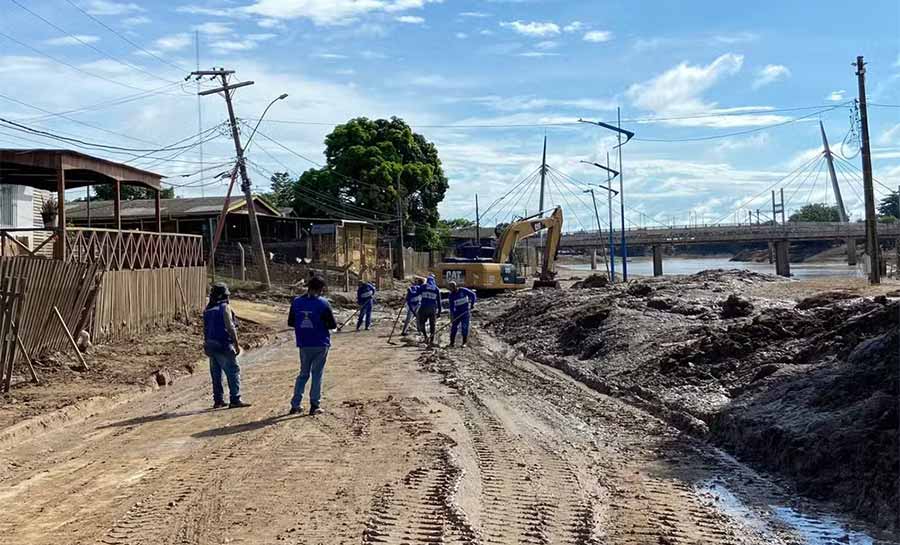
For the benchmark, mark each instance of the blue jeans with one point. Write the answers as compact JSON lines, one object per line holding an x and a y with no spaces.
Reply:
{"x":410,"y":314}
{"x":365,"y":312}
{"x":224,"y":360}
{"x":312,"y":363}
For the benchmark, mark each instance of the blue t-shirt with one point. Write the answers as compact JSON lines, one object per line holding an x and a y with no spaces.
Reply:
{"x":312,"y":320}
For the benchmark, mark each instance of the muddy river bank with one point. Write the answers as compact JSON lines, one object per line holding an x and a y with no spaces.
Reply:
{"x":806,"y":390}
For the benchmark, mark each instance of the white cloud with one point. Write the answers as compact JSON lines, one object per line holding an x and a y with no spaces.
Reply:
{"x":754,"y":141}
{"x":538,"y":54}
{"x":735,"y":38}
{"x":213,"y":28}
{"x":345,"y":72}
{"x":534,"y":29}
{"x":137,"y":20}
{"x":836,"y":96}
{"x":269,"y":23}
{"x":462,"y":35}
{"x":531,"y":102}
{"x":107,"y":7}
{"x":251,"y":41}
{"x":770,"y":74}
{"x":329,"y":12}
{"x":173,"y":42}
{"x":410,"y":19}
{"x":679,"y":92}
{"x":370,"y":55}
{"x":74,"y":39}
{"x":547,"y":44}
{"x":329,"y":56}
{"x":437,"y":81}
{"x":598,"y":36}
{"x":574,"y":26}
{"x":486,"y":32}
{"x":478,"y":14}
{"x":890,"y":136}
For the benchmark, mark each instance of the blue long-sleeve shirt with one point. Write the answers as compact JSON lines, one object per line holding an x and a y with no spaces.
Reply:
{"x":431,"y":295}
{"x":413,"y":297}
{"x":461,"y":301}
{"x":365,"y":293}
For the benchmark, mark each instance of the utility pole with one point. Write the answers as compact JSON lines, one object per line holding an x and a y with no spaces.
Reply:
{"x":477,"y":227}
{"x":401,"y":270}
{"x":255,"y":236}
{"x":599,"y":227}
{"x":622,"y":199}
{"x":543,"y":177}
{"x":609,"y":205}
{"x":872,"y":248}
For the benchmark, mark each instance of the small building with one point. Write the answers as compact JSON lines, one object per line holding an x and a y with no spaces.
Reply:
{"x":191,"y":215}
{"x":20,"y":208}
{"x":344,"y":243}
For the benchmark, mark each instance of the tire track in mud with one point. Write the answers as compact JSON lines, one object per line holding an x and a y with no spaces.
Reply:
{"x":174,"y":509}
{"x":528,"y":496}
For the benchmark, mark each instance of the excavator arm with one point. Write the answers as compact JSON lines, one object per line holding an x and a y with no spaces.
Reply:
{"x":527,"y":228}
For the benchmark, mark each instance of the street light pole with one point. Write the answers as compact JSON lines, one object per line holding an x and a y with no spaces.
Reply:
{"x":255,"y":235}
{"x":610,"y":175}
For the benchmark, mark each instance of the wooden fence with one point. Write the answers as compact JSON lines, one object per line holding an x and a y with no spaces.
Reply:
{"x":10,"y":310}
{"x":131,"y":302}
{"x":47,"y":283}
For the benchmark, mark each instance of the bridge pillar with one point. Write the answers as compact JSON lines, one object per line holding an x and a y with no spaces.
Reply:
{"x":657,"y":260}
{"x":782,"y":258}
{"x":593,"y":260}
{"x":771,"y":253}
{"x":851,"y":251}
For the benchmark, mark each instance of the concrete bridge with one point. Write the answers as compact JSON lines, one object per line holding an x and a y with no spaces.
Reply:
{"x":778,"y":237}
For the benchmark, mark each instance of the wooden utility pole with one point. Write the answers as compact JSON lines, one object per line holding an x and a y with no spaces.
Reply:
{"x":872,"y":248}
{"x":401,"y":269}
{"x":259,"y":251}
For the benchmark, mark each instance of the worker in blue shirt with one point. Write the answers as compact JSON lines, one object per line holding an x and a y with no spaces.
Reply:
{"x":220,"y":344}
{"x":461,"y":302}
{"x":429,"y":306}
{"x":365,"y":298}
{"x":413,"y":297}
{"x":312,"y":320}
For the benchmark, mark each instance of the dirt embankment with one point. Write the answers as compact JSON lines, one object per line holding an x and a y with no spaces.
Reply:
{"x":806,"y":390}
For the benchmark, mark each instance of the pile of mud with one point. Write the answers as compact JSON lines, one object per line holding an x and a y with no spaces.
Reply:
{"x":806,"y":390}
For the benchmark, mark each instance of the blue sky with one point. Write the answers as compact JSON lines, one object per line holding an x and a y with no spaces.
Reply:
{"x":485,"y":81}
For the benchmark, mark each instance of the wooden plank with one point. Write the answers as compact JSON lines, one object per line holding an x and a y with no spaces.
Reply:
{"x":62,"y":322}
{"x":27,"y":356}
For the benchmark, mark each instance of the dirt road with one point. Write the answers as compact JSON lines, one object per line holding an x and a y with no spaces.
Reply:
{"x":481,"y":446}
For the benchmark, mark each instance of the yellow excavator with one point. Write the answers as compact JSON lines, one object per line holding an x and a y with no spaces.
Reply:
{"x":499,"y":274}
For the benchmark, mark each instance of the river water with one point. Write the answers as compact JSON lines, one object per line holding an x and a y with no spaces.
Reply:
{"x":643,"y":266}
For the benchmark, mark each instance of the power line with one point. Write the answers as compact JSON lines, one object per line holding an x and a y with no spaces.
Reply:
{"x":88,"y":44}
{"x":738,"y":133}
{"x":72,"y":66}
{"x":126,"y":39}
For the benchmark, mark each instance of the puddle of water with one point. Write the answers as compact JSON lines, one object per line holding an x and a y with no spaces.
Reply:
{"x":803,"y":528}
{"x":819,"y":530}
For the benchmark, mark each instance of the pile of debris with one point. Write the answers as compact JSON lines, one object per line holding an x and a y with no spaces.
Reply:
{"x":808,"y":390}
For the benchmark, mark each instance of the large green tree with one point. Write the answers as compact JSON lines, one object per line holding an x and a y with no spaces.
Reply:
{"x":282,"y":192}
{"x":816,"y":212}
{"x":889,"y":206}
{"x":129,"y":193}
{"x":369,"y":163}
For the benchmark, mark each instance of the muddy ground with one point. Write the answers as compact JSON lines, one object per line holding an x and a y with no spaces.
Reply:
{"x":807,"y":390}
{"x":149,"y":361}
{"x":417,"y":446}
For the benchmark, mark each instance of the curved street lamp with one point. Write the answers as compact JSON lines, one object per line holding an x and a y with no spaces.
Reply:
{"x":258,"y":121}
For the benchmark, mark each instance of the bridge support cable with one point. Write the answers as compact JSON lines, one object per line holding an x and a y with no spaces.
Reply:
{"x":768,"y":188}
{"x":515,"y":187}
{"x":578,"y":183}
